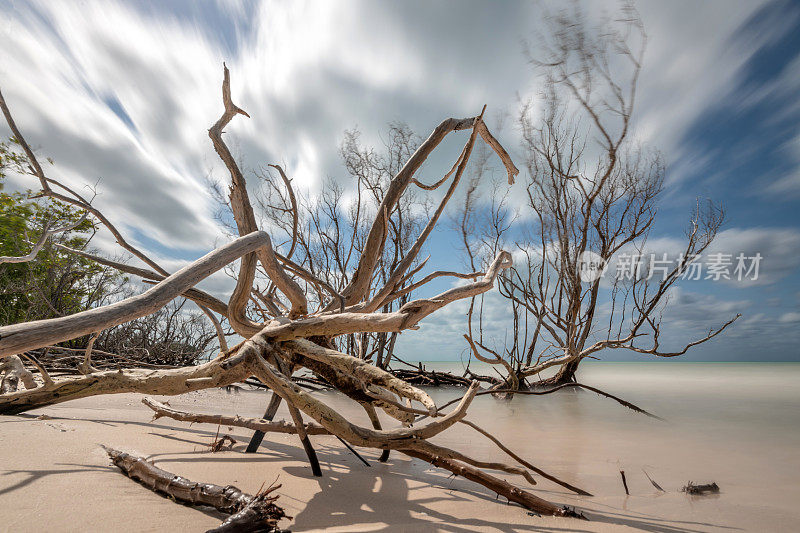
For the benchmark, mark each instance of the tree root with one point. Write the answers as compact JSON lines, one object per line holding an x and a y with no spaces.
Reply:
{"x":257,"y":424}
{"x":525,"y":463}
{"x":248,"y":513}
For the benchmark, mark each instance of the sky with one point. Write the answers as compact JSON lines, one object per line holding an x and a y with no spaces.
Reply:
{"x":121,"y":94}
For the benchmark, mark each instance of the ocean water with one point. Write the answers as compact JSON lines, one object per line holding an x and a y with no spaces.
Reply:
{"x":710,"y":398}
{"x":737,"y":424}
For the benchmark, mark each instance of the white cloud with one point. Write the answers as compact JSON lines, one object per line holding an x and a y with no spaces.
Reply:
{"x":59,"y":72}
{"x":118,"y":91}
{"x":788,"y":184}
{"x":305,"y":72}
{"x":777,"y":247}
{"x":790,"y":317}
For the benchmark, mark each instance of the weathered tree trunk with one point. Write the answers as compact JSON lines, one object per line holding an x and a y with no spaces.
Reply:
{"x":249,"y":513}
{"x":565,"y":374}
{"x":216,"y":373}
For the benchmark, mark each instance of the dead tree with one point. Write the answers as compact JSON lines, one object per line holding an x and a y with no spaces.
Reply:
{"x":590,"y":188}
{"x":297,"y":336}
{"x":247,"y":512}
{"x":327,"y":231}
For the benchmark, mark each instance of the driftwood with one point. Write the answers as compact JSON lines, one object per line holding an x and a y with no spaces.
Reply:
{"x":435,"y":455}
{"x":573,"y":385}
{"x":248,"y":512}
{"x":65,"y":360}
{"x":526,"y":464}
{"x":707,"y":488}
{"x":503,"y":488}
{"x":14,"y":373}
{"x":18,"y":338}
{"x":225,"y":442}
{"x":435,"y":378}
{"x":287,"y":336}
{"x":653,"y":482}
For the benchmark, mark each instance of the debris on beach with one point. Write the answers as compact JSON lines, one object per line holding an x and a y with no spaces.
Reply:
{"x":624,"y":482}
{"x":656,"y":485}
{"x":226,"y":442}
{"x":248,"y":512}
{"x":708,"y":488}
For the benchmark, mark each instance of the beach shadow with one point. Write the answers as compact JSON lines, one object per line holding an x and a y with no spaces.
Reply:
{"x":352,"y":494}
{"x":32,"y":476}
{"x":351,"y":498}
{"x":35,"y":475}
{"x":28,"y":417}
{"x":644,"y":522}
{"x":269,"y":452}
{"x":382,"y":496}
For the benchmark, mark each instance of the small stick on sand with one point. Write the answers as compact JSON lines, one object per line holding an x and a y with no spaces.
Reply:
{"x":624,"y":482}
{"x":656,"y":485}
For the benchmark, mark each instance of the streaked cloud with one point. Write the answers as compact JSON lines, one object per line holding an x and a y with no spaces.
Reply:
{"x":121,"y":94}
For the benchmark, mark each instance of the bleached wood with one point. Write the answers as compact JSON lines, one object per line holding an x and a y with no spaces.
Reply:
{"x":246,"y":220}
{"x":407,"y":317}
{"x":18,"y":338}
{"x":201,"y":298}
{"x":13,"y":371}
{"x":364,"y":371}
{"x":290,"y":338}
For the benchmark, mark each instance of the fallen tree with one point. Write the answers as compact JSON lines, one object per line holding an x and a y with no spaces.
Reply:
{"x":299,"y":317}
{"x":248,"y":512}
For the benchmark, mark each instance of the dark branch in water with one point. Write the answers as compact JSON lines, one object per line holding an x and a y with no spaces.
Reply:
{"x":622,"y":402}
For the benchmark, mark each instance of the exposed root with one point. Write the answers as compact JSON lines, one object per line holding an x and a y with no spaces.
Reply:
{"x":257,"y":424}
{"x":13,"y":371}
{"x":501,"y":487}
{"x":261,"y":514}
{"x":525,"y":463}
{"x":656,"y":485}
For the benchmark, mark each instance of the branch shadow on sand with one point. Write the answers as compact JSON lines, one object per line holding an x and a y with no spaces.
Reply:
{"x":384,"y":485}
{"x":384,"y":496}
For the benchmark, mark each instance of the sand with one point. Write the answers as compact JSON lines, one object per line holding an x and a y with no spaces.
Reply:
{"x":55,"y":477}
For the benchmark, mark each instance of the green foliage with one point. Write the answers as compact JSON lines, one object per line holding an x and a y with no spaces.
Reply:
{"x":9,"y":159}
{"x":56,"y":282}
{"x":59,"y":283}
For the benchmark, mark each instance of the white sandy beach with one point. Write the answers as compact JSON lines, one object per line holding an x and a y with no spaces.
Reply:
{"x":734,"y":424}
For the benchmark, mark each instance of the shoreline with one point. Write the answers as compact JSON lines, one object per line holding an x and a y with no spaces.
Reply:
{"x":61,"y":479}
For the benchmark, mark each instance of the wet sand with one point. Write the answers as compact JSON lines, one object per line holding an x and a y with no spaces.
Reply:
{"x":736,"y":424}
